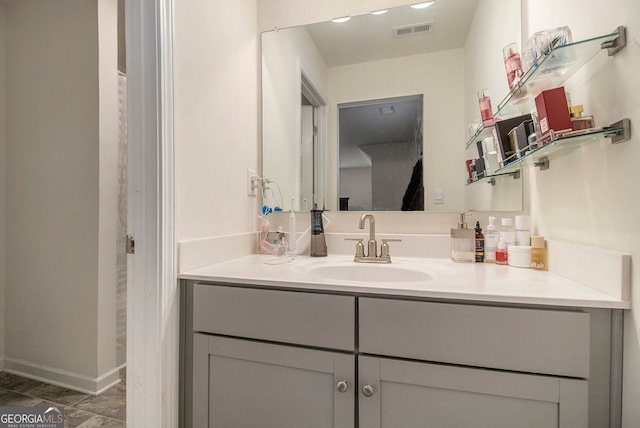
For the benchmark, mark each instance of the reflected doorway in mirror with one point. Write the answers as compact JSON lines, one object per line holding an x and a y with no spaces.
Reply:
{"x":380,"y":154}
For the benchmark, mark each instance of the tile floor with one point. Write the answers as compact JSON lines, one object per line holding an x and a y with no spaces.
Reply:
{"x":108,"y":410}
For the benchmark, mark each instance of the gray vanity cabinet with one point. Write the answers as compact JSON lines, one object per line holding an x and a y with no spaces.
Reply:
{"x":407,"y":393}
{"x":255,"y":357}
{"x":254,"y":384}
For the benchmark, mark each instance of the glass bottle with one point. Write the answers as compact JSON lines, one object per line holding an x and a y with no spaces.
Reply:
{"x":486,"y":113}
{"x":479,"y":243}
{"x":578,"y":121}
{"x":512,"y":64}
{"x":502,"y":256}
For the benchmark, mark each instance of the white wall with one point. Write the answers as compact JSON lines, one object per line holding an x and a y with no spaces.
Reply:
{"x":60,"y":289}
{"x":591,"y":195}
{"x":216,"y":60}
{"x":3,"y":178}
{"x":439,"y":76}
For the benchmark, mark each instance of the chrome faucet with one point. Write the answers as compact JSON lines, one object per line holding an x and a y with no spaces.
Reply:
{"x":372,"y":244}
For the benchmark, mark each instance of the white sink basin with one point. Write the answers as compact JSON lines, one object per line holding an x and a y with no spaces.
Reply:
{"x":367,"y":272}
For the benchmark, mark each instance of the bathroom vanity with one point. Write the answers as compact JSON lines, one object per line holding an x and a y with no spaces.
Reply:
{"x":271,"y":345}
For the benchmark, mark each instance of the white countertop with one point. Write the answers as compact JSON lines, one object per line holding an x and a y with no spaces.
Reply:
{"x":479,"y":282}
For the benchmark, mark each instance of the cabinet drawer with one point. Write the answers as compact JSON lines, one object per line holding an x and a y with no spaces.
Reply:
{"x":325,"y":321}
{"x":527,"y":340}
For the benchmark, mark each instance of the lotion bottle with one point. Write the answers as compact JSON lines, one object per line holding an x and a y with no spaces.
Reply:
{"x":538,"y":253}
{"x":507,"y":233}
{"x":491,"y":239}
{"x":523,"y":236}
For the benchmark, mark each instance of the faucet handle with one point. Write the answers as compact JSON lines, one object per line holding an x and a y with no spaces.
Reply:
{"x":359,"y":246}
{"x":384,"y":248}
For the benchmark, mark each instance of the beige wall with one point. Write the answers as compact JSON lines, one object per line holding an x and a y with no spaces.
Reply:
{"x":591,"y":195}
{"x":60,"y":312}
{"x":216,"y":63}
{"x":3,"y":178}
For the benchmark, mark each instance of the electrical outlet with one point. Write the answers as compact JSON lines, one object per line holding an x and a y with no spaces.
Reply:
{"x":252,"y":182}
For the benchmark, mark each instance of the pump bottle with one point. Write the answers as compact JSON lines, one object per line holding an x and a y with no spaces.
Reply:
{"x":491,"y":239}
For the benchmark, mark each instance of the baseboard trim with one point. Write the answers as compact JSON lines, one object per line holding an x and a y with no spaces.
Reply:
{"x":63,"y":378}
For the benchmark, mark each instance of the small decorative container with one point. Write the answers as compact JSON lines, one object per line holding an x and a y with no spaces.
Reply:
{"x":519,"y":256}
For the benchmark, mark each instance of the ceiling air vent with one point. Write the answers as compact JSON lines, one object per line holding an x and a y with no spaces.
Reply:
{"x":410,"y":30}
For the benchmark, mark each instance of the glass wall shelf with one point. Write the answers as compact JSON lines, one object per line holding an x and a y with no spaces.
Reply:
{"x":482,"y":133}
{"x":552,"y":71}
{"x":515,"y":173}
{"x":567,"y":143}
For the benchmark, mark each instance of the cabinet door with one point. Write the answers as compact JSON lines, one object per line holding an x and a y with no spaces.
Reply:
{"x":241,"y":383}
{"x":396,"y":393}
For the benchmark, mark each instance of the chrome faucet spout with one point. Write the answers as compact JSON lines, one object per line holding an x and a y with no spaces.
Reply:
{"x":372,"y":225}
{"x":372,"y":244}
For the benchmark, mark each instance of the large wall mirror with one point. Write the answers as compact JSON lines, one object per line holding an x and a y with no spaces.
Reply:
{"x":370,"y":114}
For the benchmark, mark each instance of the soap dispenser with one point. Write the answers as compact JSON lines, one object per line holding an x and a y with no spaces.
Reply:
{"x":318,"y":243}
{"x":463,"y":242}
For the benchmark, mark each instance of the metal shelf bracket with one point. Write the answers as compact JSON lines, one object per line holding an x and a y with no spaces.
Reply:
{"x":620,"y":136}
{"x":615,"y":45}
{"x":542,"y":163}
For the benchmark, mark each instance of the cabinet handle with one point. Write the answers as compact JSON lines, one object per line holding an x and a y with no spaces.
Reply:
{"x":342,"y":386}
{"x":367,"y":390}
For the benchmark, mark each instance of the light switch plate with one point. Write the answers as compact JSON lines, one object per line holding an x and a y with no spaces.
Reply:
{"x":251,"y":182}
{"x":438,"y":196}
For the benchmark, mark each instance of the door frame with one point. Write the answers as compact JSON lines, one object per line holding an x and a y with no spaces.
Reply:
{"x":152,"y":292}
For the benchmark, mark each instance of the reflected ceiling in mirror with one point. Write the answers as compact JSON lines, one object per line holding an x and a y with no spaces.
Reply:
{"x":401,"y":31}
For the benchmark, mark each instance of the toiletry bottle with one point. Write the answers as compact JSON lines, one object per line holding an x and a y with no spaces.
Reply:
{"x":523,"y":236}
{"x":502,"y":256}
{"x":512,"y":64}
{"x":486,"y":113}
{"x":479,"y":243}
{"x":491,"y":239}
{"x":538,"y":253}
{"x":292,"y":229}
{"x":578,"y":121}
{"x":507,"y":234}
{"x":318,"y":243}
{"x":463,"y":242}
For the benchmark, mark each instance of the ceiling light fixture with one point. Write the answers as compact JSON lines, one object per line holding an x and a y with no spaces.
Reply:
{"x":422,"y":5}
{"x":341,"y":20}
{"x":380,"y":12}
